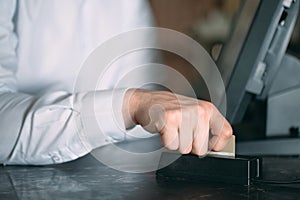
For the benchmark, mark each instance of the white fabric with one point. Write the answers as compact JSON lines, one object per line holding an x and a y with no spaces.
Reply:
{"x":43,"y":43}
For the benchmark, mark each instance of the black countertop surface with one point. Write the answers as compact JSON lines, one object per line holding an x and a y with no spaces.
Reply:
{"x":87,"y":178}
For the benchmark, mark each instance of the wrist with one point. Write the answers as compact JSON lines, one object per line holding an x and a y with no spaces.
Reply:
{"x":131,"y":103}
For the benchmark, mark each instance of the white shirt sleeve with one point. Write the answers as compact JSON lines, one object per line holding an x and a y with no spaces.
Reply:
{"x":55,"y":127}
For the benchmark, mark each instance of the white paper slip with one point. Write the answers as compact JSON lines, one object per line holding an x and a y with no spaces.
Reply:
{"x":227,"y":152}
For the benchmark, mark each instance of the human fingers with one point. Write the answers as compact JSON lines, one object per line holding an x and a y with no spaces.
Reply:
{"x":169,"y":137}
{"x":201,"y":135}
{"x":220,"y":129}
{"x":186,"y":132}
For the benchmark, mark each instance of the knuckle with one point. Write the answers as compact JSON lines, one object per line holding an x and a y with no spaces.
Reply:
{"x":201,"y":111}
{"x":205,"y":108}
{"x":209,"y":106}
{"x":172,"y":116}
{"x":227,"y":133}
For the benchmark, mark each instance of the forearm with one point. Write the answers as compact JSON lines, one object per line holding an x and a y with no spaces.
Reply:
{"x":56,"y":127}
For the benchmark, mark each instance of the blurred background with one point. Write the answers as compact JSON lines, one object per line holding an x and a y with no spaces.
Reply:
{"x":207,"y":21}
{"x":211,"y":23}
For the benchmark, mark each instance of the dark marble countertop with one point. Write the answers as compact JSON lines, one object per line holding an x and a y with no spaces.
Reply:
{"x":87,"y":178}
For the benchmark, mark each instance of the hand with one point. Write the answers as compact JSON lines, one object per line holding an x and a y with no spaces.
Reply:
{"x":184,"y":123}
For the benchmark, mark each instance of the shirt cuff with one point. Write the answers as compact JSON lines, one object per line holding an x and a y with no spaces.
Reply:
{"x":101,"y":117}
